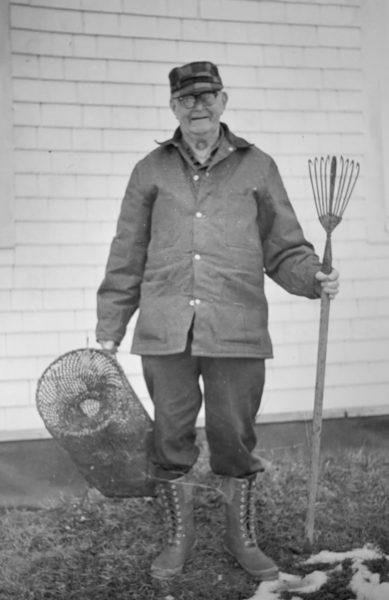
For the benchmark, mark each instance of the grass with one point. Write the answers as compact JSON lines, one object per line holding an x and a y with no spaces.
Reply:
{"x":100,"y":549}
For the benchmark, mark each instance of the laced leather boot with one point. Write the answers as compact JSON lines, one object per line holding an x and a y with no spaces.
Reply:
{"x":177,"y":502}
{"x":240,"y":538}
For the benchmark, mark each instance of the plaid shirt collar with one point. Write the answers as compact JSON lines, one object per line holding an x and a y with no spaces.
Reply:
{"x":226,"y":134}
{"x":185,"y":147}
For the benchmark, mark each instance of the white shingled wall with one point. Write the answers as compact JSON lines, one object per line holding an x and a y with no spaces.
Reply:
{"x":90,"y":97}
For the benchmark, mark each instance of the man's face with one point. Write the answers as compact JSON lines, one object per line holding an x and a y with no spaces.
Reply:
{"x":201,"y":119}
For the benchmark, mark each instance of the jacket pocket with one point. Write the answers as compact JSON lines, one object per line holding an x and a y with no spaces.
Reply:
{"x":255,"y":324}
{"x":237,"y":326}
{"x":150,"y":326}
{"x":163,"y":235}
{"x":232,"y":327}
{"x":165,"y":230}
{"x":240,"y":225}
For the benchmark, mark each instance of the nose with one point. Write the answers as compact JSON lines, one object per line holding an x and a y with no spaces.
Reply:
{"x":198,"y":102}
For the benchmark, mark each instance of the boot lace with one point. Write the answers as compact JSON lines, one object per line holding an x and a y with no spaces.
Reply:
{"x":247,"y":513}
{"x":170,"y":501}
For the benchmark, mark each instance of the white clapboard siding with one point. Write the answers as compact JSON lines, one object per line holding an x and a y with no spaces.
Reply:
{"x":89,"y":99}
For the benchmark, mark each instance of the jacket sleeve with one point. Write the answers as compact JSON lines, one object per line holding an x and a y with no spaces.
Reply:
{"x":118,"y":294}
{"x":288,"y":258}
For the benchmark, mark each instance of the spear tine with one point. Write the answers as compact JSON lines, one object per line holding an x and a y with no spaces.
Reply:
{"x":328,"y":183}
{"x":338,"y":194}
{"x":345,"y":178}
{"x":332,"y":183}
{"x":325,"y":195}
{"x":322,"y":191}
{"x":351,"y":185}
{"x":317,"y":179}
{"x":310,"y":168}
{"x":324,"y":179}
{"x":347,"y":187}
{"x":323,"y":186}
{"x":319,"y":186}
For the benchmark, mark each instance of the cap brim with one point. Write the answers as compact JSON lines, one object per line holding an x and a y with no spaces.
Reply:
{"x":197,"y":88}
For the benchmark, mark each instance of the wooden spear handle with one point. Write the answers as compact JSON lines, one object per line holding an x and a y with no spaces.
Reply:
{"x":317,"y":414}
{"x":320,"y":375}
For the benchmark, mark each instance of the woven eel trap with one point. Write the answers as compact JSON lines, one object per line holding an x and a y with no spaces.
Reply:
{"x":91,"y":410}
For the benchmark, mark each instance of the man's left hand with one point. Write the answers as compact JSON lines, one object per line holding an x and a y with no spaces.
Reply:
{"x":329,"y":283}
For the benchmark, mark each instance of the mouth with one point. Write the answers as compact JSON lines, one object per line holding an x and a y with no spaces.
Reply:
{"x":200,"y":118}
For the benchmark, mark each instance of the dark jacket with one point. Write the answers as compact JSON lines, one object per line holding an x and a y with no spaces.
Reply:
{"x":193,"y":247}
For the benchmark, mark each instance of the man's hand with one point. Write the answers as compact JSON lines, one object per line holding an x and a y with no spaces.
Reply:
{"x":329,"y":283}
{"x":109,"y":346}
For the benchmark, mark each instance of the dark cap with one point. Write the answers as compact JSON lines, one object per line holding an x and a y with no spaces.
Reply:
{"x":194,"y":78}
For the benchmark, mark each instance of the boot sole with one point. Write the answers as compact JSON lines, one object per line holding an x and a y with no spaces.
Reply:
{"x":167,"y":574}
{"x":264,"y":574}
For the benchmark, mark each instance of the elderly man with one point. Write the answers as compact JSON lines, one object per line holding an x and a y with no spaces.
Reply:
{"x":205,"y":216}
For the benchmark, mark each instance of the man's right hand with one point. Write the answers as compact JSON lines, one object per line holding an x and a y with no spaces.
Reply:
{"x":109,"y":346}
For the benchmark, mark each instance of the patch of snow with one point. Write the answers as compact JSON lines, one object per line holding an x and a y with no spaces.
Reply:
{"x":367,"y":586}
{"x":364,"y":584}
{"x":270,"y":590}
{"x":368,"y":552}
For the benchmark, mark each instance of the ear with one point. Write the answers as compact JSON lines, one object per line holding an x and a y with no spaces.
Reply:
{"x":173,"y":105}
{"x":224,"y":99}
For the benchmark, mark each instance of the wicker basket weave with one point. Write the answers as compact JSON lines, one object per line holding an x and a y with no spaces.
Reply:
{"x":90,"y":408}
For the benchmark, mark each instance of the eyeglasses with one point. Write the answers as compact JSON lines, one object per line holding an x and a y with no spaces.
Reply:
{"x":206,"y":98}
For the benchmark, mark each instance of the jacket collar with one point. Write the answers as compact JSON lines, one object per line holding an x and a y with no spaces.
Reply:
{"x":234,"y":140}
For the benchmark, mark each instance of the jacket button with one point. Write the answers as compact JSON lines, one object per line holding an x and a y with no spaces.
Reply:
{"x":195,"y":301}
{"x":199,"y":215}
{"x":197,"y":256}
{"x":196,"y":177}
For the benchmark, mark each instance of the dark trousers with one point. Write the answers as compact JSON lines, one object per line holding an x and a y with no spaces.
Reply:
{"x":232,"y":395}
